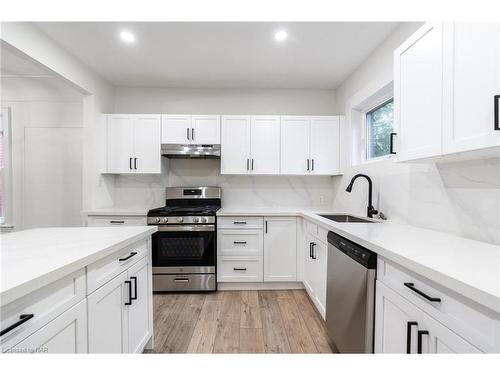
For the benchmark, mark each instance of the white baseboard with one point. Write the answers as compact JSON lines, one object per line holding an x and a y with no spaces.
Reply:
{"x":260,"y":286}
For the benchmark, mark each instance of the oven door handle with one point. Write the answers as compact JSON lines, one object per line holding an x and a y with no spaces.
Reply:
{"x":186,"y":228}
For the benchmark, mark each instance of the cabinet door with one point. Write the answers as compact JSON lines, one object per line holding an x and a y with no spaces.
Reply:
{"x":472,"y":79}
{"x":280,"y":249}
{"x":176,"y":129}
{"x":147,"y":158}
{"x":65,"y":334}
{"x":418,"y":85}
{"x":295,"y":136}
{"x":320,"y":253}
{"x":235,"y":145}
{"x":139,"y":329}
{"x":442,"y":340}
{"x":205,"y":130}
{"x":265,"y":145}
{"x":325,"y":145}
{"x":120,"y":143}
{"x":108,"y":317}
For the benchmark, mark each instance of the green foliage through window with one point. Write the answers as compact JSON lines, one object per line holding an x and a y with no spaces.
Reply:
{"x":379,"y":123}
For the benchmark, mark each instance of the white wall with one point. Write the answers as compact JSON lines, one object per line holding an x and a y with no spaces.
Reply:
{"x":462,"y":198}
{"x":149,"y":191}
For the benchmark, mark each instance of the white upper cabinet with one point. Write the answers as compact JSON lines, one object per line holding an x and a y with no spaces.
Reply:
{"x":325,"y":146}
{"x":235,"y":145}
{"x":133,"y":144}
{"x":418,"y":86}
{"x":265,"y":145}
{"x":310,"y":145}
{"x":190,"y":129}
{"x":295,"y":139}
{"x":472,"y":80}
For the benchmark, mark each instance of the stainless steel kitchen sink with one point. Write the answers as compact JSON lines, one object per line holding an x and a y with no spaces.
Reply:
{"x":341,"y":218}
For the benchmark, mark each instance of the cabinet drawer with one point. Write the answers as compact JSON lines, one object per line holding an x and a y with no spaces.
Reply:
{"x":475,"y":323}
{"x":44,"y":304}
{"x":107,"y":268}
{"x":240,"y":269}
{"x":239,"y":242}
{"x":311,"y":228}
{"x":108,"y":221}
{"x":249,"y":222}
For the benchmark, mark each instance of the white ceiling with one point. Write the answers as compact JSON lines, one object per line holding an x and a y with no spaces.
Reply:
{"x":221,"y":55}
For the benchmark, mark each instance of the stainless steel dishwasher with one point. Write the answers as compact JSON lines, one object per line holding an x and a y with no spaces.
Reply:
{"x":350,"y":295}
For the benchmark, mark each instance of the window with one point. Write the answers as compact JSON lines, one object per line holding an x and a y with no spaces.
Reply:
{"x":379,"y":126}
{"x":4,"y":165}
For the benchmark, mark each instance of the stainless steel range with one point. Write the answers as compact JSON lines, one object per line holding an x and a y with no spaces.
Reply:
{"x":184,"y":248}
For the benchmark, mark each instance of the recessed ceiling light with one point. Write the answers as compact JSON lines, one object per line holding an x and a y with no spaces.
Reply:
{"x":127,"y":37}
{"x":281,"y":35}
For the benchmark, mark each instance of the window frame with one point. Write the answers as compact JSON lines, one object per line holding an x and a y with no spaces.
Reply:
{"x":6,"y":119}
{"x":374,"y":105}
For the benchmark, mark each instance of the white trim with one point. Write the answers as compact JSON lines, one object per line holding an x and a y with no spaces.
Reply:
{"x":6,"y":128}
{"x":260,"y":286}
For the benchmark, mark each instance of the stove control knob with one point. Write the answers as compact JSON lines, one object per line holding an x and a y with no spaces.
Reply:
{"x":196,"y":219}
{"x":203,"y":219}
{"x":157,"y":219}
{"x":180,"y":219}
{"x":165,"y":219}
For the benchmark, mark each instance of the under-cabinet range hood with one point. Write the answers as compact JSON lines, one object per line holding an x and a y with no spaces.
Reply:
{"x":182,"y":151}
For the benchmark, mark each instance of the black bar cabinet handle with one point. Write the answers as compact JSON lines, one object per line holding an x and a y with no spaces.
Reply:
{"x":23,"y":318}
{"x":419,"y":340}
{"x":239,"y":222}
{"x":192,"y":134}
{"x":130,"y":163}
{"x":135,"y":287}
{"x":187,"y":131}
{"x":239,"y":269}
{"x":252,"y":164}
{"x":312,"y":164}
{"x":266,"y":226}
{"x":135,"y":163}
{"x":117,"y":222}
{"x":313,"y":252}
{"x":307,"y":164}
{"x":391,"y":145}
{"x":419,"y":292}
{"x":408,"y":336}
{"x":248,"y":164}
{"x":129,"y":283}
{"x":497,"y":115}
{"x":127,"y":258}
{"x":310,"y":249}
{"x":240,"y":242}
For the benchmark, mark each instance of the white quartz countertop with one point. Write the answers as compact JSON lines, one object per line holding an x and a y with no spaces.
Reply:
{"x":117,"y":211}
{"x":33,"y":258}
{"x":470,"y":268}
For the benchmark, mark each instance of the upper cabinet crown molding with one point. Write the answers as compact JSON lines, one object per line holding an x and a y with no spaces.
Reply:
{"x":446,"y":79}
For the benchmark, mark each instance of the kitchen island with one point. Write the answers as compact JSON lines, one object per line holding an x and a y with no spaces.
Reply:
{"x":76,"y":290}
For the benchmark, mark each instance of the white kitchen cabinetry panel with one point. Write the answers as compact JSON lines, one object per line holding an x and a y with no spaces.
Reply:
{"x":139,"y":324}
{"x":176,"y":129}
{"x":295,"y":145}
{"x":280,"y":244}
{"x":240,"y":222}
{"x":133,"y":144}
{"x":265,"y":145}
{"x":205,"y":129}
{"x":239,"y":242}
{"x":235,"y":144}
{"x":325,"y":145}
{"x":418,"y":89}
{"x":239,"y":269}
{"x":115,"y":221}
{"x":65,"y":334}
{"x":472,"y":79}
{"x":108,"y":317}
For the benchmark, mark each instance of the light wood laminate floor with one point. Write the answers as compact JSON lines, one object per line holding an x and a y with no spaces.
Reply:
{"x":267,"y":321}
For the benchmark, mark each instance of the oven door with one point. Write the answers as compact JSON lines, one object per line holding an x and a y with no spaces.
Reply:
{"x":184,"y":249}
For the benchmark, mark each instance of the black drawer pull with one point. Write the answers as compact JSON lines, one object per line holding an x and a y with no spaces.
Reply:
{"x":313,"y":251}
{"x":127,"y":258}
{"x":117,"y":222}
{"x":239,"y":222}
{"x":408,"y":336}
{"x":240,"y":242}
{"x":135,"y":287}
{"x":239,"y":269}
{"x":129,"y":283}
{"x":419,"y":340}
{"x":310,"y":250}
{"x":497,"y":115}
{"x":23,"y":318}
{"x":428,"y":298}
{"x":391,"y":144}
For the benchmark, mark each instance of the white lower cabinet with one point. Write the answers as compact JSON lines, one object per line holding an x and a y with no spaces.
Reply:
{"x":315,"y":271}
{"x":280,"y":249}
{"x":65,"y":334}
{"x":401,"y":327}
